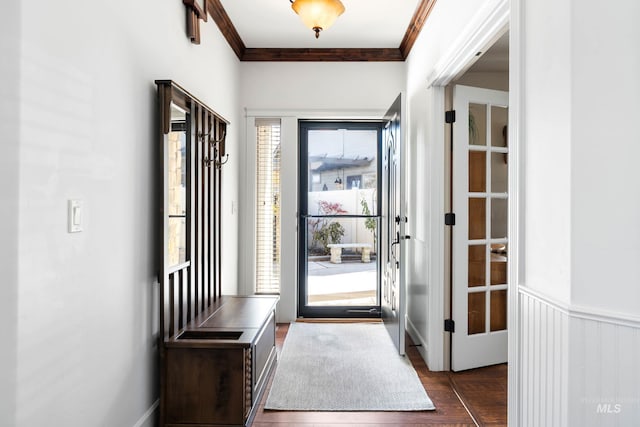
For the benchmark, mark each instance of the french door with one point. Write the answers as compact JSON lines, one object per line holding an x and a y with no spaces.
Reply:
{"x":480,"y":238}
{"x":339,"y":219}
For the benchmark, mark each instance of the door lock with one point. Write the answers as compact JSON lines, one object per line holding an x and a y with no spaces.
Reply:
{"x":400,"y":219}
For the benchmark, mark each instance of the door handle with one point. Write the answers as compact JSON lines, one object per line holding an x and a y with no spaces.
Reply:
{"x":398,"y":238}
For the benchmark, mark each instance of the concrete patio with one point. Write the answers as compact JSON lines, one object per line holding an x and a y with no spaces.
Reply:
{"x":351,"y":283}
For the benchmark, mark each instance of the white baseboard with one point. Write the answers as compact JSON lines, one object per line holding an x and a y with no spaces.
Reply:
{"x":418,"y":340}
{"x":147,"y":416}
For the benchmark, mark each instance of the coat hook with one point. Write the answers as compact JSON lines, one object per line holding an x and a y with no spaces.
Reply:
{"x":213,"y":142}
{"x":220,"y":163}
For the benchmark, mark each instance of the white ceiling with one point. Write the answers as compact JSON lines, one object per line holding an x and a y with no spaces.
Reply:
{"x":496,"y":58}
{"x":364,"y":24}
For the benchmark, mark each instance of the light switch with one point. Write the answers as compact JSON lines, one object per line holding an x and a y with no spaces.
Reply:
{"x":75,"y":216}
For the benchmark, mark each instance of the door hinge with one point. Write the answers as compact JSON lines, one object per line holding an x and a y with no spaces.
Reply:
{"x":450,"y":218}
{"x":450,"y":116}
{"x":449,"y":325}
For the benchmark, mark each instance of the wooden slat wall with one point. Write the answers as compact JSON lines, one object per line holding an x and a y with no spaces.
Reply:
{"x":190,"y":288}
{"x":221,"y":131}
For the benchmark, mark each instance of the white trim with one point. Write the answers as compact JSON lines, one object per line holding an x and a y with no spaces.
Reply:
{"x":247,"y":273}
{"x":489,"y":24}
{"x":582,"y":312}
{"x":288,"y":305}
{"x":419,"y":341}
{"x":143,"y":419}
{"x":516,"y":183}
{"x":436,"y":349}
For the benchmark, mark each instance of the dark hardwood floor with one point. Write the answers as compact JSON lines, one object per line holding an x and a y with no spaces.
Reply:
{"x":483,"y":391}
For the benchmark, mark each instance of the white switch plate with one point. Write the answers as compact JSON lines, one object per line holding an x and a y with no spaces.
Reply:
{"x":74,"y":216}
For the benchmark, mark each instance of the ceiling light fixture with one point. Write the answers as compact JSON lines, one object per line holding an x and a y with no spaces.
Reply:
{"x":318,"y":14}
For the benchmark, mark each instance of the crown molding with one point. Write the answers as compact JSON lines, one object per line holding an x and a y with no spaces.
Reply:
{"x":415,"y":26}
{"x":322,"y":55}
{"x":228,"y":30}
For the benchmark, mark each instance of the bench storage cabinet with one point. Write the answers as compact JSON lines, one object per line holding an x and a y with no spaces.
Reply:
{"x":217,"y":367}
{"x":216,"y":352}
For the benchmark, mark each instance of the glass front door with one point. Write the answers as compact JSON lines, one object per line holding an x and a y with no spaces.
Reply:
{"x":339,"y":219}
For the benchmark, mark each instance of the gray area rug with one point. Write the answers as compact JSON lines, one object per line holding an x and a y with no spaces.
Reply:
{"x":344,"y":367}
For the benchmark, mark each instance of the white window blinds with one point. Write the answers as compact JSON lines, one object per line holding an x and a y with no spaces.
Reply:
{"x":268,"y":207}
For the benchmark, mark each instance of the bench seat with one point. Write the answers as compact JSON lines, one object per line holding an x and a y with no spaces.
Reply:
{"x":336,"y":251}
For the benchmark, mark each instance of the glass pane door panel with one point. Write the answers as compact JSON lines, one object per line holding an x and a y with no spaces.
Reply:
{"x":477,"y":218}
{"x":498,"y":268}
{"x":499,"y":172}
{"x":477,"y":171}
{"x":499,"y":212}
{"x":498,"y":310}
{"x":477,"y":124}
{"x":477,"y":313}
{"x":477,"y":265}
{"x":341,"y":161}
{"x":499,"y":117}
{"x":342,"y":262}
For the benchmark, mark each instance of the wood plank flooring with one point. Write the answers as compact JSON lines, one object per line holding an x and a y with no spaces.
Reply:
{"x":483,"y":391}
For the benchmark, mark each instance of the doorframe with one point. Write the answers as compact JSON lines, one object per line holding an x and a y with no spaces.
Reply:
{"x":287,"y":308}
{"x":489,"y":23}
{"x":304,"y":126}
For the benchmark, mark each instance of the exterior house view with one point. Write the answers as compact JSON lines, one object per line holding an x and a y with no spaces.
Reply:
{"x":479,"y":173}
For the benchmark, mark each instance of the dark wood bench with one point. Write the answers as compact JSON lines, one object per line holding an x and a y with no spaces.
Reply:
{"x":217,"y":367}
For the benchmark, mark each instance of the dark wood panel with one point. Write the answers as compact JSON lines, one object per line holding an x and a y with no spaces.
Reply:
{"x":323,"y":55}
{"x":217,"y":380}
{"x":205,"y":386}
{"x":241,"y":312}
{"x":415,"y":26}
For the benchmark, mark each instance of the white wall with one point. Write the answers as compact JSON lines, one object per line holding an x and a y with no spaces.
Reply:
{"x":446,"y":25}
{"x":605,"y":200}
{"x":9,"y":161}
{"x":546,"y":145}
{"x":333,"y":86}
{"x":580,"y":90}
{"x":322,"y":90}
{"x":87,"y":302}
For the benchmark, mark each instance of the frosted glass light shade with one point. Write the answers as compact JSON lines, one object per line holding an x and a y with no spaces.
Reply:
{"x":318,"y":14}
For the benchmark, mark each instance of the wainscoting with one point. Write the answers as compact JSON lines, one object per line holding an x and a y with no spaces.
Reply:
{"x":578,"y":367}
{"x":543,"y":361}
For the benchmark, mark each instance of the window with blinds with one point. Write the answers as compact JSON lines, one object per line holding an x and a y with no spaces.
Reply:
{"x":268,"y":207}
